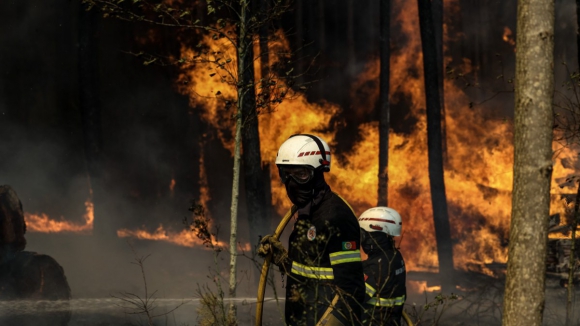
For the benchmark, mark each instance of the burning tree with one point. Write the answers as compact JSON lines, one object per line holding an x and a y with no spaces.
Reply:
{"x":525,"y":280}
{"x":227,"y":32}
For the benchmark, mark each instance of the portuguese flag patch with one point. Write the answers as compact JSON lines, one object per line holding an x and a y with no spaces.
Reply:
{"x":349,"y":245}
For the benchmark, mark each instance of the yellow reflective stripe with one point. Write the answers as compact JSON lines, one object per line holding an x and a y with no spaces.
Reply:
{"x":324,"y":273}
{"x":344,"y":257}
{"x":370,"y":290}
{"x":391,"y":302}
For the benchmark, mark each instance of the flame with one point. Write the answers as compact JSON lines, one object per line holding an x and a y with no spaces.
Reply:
{"x":421,"y":287}
{"x":478,"y":173}
{"x":172,"y":185}
{"x":184,"y":238}
{"x":43,"y":223}
{"x":508,"y":36}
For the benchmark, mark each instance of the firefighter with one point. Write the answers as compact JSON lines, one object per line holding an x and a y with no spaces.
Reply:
{"x":325,"y":284}
{"x":29,"y":281}
{"x":384,"y":268}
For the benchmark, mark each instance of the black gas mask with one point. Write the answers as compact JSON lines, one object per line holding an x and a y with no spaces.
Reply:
{"x":373,"y":241}
{"x":301,"y":182}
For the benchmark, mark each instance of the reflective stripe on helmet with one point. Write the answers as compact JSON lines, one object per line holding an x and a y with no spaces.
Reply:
{"x":344,"y":257}
{"x":379,"y":220}
{"x":324,"y":273}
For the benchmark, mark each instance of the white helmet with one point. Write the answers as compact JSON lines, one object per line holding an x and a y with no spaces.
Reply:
{"x":304,"y":149}
{"x":381,"y":219}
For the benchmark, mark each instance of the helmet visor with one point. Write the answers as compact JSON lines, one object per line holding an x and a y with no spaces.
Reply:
{"x":300,"y":174}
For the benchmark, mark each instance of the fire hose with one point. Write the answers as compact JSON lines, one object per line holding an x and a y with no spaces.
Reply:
{"x":266,"y":266}
{"x":268,"y":259}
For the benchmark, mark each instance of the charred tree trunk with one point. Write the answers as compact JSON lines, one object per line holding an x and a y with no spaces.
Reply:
{"x":321,"y":38}
{"x":435,"y":147}
{"x":574,"y":226}
{"x":572,"y":259}
{"x":90,"y":108}
{"x":384,"y":105}
{"x":351,"y":53}
{"x":299,"y":23}
{"x":254,"y":183}
{"x":264,"y":54}
{"x":578,"y":32}
{"x":534,"y":81}
{"x":437,"y":6}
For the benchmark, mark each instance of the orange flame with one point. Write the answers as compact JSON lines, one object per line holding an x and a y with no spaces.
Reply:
{"x":43,"y":223}
{"x":421,"y":287}
{"x":172,"y":185}
{"x":185,"y":238}
{"x":508,"y":36}
{"x":478,"y":174}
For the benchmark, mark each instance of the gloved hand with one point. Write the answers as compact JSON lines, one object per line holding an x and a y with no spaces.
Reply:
{"x":269,"y":244}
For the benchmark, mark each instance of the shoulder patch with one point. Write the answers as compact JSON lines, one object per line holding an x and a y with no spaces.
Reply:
{"x":349,"y":245}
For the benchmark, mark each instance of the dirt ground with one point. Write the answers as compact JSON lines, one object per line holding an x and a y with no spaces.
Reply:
{"x":98,"y":271}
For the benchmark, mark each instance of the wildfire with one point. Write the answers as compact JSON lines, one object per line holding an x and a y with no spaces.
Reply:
{"x":508,"y":37}
{"x":43,"y":223}
{"x":185,"y":238}
{"x":478,"y":171}
{"x":421,"y":287}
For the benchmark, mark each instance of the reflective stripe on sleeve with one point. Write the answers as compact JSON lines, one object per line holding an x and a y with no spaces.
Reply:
{"x":324,"y":273}
{"x":344,"y":257}
{"x":370,"y":290}
{"x":391,"y":302}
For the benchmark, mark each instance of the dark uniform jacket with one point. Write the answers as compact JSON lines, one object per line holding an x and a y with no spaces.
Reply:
{"x":385,"y":278}
{"x":324,"y":248}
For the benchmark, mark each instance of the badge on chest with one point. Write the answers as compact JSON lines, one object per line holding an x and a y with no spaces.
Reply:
{"x":311,"y":234}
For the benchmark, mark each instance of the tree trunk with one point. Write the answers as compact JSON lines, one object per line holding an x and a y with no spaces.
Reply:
{"x":299,"y":23}
{"x":253,"y":177}
{"x":91,"y":111}
{"x":437,"y":6}
{"x":578,"y":32}
{"x":435,"y":147}
{"x":234,"y":216}
{"x":321,"y":40}
{"x":572,"y":260}
{"x":351,"y":53}
{"x":384,"y":108}
{"x":534,"y":81}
